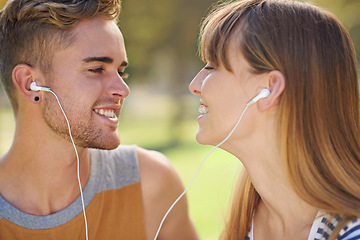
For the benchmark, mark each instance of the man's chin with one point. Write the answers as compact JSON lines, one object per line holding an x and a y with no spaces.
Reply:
{"x":111,"y":147}
{"x":109,"y":144}
{"x":102,"y":147}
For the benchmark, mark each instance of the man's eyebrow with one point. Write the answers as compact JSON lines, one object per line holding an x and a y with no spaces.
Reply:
{"x":98,"y":59}
{"x":104,"y":60}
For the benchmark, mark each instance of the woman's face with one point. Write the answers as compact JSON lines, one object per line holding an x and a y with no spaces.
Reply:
{"x":223,"y":96}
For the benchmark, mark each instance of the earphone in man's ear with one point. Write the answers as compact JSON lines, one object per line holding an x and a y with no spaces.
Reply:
{"x":36,"y":88}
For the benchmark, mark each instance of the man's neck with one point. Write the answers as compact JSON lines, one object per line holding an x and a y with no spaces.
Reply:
{"x":42,"y":180}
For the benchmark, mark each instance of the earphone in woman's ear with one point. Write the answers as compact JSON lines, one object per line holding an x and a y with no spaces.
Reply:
{"x":264,"y":93}
{"x":36,"y":88}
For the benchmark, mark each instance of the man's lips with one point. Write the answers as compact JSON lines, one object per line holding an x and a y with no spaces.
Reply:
{"x":109,"y":111}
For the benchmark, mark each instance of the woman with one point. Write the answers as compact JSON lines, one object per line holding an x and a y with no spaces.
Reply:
{"x":300,"y":146}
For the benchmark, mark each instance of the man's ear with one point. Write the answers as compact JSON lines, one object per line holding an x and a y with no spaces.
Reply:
{"x":22,"y":76}
{"x":276,"y":85}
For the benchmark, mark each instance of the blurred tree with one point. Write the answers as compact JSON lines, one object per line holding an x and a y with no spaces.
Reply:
{"x":161,"y":40}
{"x":152,"y":26}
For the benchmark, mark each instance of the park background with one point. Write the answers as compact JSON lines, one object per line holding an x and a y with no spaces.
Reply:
{"x":160,"y":113}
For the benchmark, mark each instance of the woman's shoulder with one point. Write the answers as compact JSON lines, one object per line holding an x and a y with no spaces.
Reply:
{"x":351,"y":231}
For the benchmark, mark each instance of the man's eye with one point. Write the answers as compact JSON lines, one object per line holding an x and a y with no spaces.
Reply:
{"x":96,"y":70}
{"x":123,"y":75}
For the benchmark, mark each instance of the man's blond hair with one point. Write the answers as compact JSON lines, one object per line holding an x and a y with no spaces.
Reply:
{"x":32,"y":30}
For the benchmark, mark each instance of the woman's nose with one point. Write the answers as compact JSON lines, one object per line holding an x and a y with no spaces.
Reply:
{"x":195,"y":85}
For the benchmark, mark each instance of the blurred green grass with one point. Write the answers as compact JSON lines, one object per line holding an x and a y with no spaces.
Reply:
{"x":209,"y":195}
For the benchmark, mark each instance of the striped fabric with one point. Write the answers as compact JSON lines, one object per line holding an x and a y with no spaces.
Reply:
{"x":322,"y":229}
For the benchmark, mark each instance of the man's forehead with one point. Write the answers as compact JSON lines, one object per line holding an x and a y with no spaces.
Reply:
{"x":98,"y":40}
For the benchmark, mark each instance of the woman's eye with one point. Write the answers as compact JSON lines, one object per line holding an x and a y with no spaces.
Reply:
{"x":208,"y":68}
{"x":96,"y":70}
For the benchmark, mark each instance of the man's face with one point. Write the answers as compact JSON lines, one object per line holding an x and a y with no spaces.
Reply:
{"x":87,"y":78}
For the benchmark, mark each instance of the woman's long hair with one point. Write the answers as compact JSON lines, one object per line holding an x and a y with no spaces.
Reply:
{"x":318,"y":110}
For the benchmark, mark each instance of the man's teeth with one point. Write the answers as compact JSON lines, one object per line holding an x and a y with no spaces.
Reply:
{"x":106,"y":113}
{"x":203,"y":109}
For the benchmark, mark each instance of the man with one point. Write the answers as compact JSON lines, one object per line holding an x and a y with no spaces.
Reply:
{"x":76,"y":52}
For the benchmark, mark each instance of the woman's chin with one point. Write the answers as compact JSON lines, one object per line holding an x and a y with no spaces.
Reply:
{"x":202,"y":139}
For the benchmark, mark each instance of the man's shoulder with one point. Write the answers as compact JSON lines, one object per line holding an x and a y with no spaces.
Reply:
{"x":153,"y":159}
{"x":156,"y":165}
{"x":147,"y":160}
{"x":157,"y":172}
{"x":114,"y":168}
{"x":154,"y":168}
{"x":161,"y":186}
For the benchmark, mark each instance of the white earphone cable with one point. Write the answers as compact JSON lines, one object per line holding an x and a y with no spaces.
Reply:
{"x":196,"y":174}
{"x":77,"y":163}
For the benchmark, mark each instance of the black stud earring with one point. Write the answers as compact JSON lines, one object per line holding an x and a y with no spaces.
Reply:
{"x":37,"y":98}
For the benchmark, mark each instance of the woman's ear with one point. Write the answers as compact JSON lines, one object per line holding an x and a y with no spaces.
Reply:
{"x":23,"y":76}
{"x":276,"y":85}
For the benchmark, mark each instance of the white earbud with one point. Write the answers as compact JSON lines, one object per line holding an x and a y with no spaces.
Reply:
{"x":264,"y":93}
{"x":36,"y":88}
